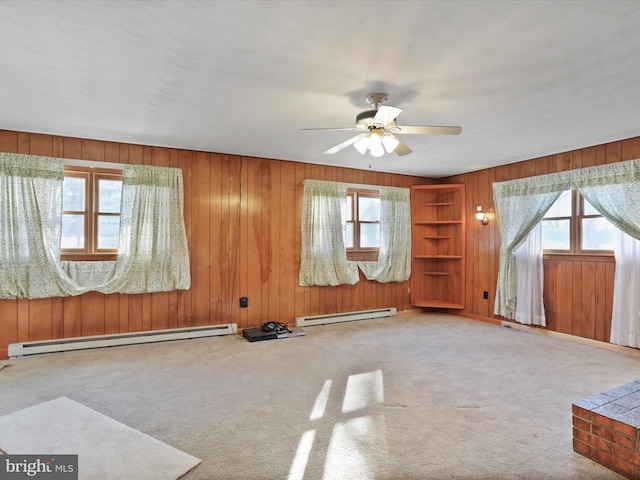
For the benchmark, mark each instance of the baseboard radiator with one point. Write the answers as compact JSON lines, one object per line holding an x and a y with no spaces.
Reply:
{"x":118,"y":339}
{"x":344,"y":317}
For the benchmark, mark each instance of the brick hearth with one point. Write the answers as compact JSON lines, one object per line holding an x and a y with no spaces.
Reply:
{"x":606,"y":429}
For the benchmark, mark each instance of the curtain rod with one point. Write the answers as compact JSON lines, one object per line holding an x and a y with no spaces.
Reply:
{"x":364,"y":186}
{"x":359,"y":185}
{"x":91,"y":163}
{"x":73,"y":161}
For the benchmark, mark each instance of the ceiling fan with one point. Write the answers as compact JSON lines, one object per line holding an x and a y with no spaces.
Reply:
{"x":379,"y":126}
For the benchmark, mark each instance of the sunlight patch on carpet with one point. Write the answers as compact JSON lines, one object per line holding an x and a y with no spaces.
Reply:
{"x":105,"y":448}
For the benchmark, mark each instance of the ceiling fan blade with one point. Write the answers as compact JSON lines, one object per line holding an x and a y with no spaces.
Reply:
{"x":393,"y":144}
{"x":346,"y":143}
{"x":402,"y":150}
{"x":340,"y":128}
{"x":426,"y":130}
{"x":385,"y":115}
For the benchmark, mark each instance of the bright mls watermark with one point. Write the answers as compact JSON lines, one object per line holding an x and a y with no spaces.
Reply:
{"x":50,"y":467}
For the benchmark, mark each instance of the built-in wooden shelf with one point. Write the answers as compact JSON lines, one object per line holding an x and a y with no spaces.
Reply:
{"x":438,"y":222}
{"x":438,"y":225}
{"x":438,"y":304}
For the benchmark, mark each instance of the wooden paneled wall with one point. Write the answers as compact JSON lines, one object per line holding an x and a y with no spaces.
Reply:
{"x":242,"y":217}
{"x":578,"y":291}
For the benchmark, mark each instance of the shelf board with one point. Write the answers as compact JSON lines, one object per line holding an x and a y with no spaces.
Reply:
{"x":438,"y":304}
{"x":439,"y":222}
{"x":437,"y":273}
{"x":439,"y":188}
{"x":439,"y":256}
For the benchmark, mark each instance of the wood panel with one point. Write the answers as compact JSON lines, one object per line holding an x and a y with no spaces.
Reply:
{"x":575,"y":292}
{"x":242,"y":219}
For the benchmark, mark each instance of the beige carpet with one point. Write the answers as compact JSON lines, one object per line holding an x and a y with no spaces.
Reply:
{"x":106,"y":449}
{"x":417,"y":397}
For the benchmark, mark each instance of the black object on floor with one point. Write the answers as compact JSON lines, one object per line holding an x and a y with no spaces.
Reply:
{"x":257,"y":334}
{"x":266,"y":332}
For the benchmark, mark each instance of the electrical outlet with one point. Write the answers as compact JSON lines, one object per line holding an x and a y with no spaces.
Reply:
{"x":485,"y":295}
{"x":244,"y":302}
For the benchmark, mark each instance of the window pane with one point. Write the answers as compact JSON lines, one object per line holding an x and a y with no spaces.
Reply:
{"x":108,"y":231}
{"x":555,"y":234}
{"x":368,"y":209}
{"x":109,"y":195}
{"x":73,"y":190}
{"x":349,"y":211}
{"x":369,"y":235}
{"x":597,"y":234}
{"x":347,"y":233}
{"x":72,"y":231}
{"x":561,"y":207}
{"x":588,"y":209}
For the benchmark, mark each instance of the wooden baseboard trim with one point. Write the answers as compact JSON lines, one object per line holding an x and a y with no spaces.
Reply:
{"x":480,"y":318}
{"x":633,"y":352}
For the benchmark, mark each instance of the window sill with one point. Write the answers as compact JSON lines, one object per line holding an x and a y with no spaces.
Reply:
{"x":362,"y":257}
{"x":107,"y":257}
{"x":580,"y":257}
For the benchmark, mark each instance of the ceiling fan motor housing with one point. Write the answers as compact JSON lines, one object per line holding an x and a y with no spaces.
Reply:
{"x":364,"y":119}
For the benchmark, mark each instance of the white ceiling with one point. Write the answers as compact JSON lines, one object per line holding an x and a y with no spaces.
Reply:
{"x":522,"y":78}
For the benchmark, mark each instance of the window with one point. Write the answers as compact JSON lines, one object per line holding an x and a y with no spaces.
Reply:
{"x":573,"y":226}
{"x":90,"y":213}
{"x":362,"y":230}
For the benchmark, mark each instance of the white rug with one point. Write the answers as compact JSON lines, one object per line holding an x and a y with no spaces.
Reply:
{"x":106,"y":449}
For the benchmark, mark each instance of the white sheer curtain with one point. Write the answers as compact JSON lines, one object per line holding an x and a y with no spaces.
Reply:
{"x":530,"y":275}
{"x":614,"y":190}
{"x":323,"y":257}
{"x":153,"y":254}
{"x":394,"y":258}
{"x":89,"y":274}
{"x":625,"y":323}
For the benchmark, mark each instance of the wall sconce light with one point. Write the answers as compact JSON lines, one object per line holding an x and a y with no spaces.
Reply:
{"x":480,"y":215}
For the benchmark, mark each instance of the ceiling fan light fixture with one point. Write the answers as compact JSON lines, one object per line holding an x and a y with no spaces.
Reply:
{"x":361,"y":145}
{"x":390,"y":142}
{"x":377,"y":151}
{"x":375,"y":143}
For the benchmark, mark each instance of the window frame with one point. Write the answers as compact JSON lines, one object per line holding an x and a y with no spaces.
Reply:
{"x":358,"y":253}
{"x":576,"y":229}
{"x":91,"y":213}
